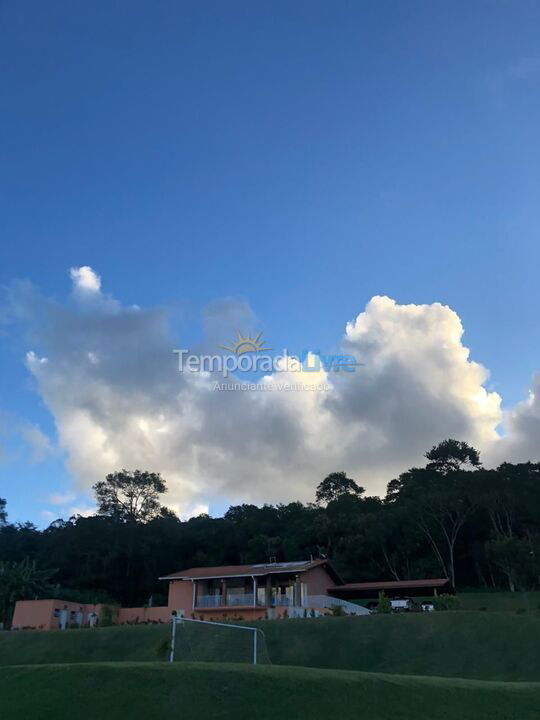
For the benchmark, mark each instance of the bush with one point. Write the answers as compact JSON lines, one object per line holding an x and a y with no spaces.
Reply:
{"x":109,"y":615}
{"x":337,"y":611}
{"x":447,"y":602}
{"x":384,"y":605}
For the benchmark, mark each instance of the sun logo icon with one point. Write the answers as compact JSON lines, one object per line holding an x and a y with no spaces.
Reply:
{"x":246,"y":344}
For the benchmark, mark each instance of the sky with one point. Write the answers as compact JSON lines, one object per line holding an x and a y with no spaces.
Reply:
{"x":358,"y":177}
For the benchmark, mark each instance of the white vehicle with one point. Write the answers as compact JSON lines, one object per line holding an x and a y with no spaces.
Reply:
{"x":401,"y":604}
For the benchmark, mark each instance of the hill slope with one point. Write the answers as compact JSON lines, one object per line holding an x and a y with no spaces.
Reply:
{"x":157,"y":691}
{"x":484,"y":646}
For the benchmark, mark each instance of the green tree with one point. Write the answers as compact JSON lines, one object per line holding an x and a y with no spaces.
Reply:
{"x":3,"y":513}
{"x":451,"y":455}
{"x":335,"y":486}
{"x":439,"y":498}
{"x":510,"y":496}
{"x":130,"y":496}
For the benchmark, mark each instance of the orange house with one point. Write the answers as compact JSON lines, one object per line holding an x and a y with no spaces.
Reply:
{"x":250,"y":592}
{"x":263,"y":590}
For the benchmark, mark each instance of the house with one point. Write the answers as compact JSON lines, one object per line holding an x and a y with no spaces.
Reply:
{"x":250,"y":592}
{"x":254,"y":591}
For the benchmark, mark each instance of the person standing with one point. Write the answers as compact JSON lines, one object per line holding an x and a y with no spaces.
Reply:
{"x":79,"y":617}
{"x":63,"y":617}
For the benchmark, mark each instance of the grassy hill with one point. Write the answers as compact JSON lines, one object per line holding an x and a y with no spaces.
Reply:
{"x":475,"y":645}
{"x":520,"y":602}
{"x":157,"y":691}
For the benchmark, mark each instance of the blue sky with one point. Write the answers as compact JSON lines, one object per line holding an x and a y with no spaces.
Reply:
{"x":298,"y":158}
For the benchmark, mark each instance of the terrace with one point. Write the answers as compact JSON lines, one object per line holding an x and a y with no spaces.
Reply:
{"x":249,"y":591}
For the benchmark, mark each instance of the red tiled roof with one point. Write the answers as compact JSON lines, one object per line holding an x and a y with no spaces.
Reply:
{"x":394,"y":584}
{"x":257,"y":569}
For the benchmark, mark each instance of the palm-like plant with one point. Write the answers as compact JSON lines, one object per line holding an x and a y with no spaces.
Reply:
{"x":20,"y":581}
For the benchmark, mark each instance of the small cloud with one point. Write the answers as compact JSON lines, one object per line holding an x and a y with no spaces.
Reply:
{"x":39,"y":443}
{"x":48,"y":515}
{"x":82,"y":510}
{"x":61,"y":498}
{"x":33,"y":362}
{"x":85,"y":280}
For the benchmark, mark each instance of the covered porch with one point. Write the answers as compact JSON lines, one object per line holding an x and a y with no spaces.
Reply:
{"x":272,"y":590}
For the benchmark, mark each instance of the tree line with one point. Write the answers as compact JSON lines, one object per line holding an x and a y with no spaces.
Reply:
{"x":452,"y":518}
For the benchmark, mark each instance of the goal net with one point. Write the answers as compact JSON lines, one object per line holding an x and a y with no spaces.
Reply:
{"x":206,"y":641}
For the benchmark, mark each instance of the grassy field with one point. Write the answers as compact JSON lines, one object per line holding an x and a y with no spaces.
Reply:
{"x":157,"y":691}
{"x":497,"y":601}
{"x":474,"y":645}
{"x":501,"y":601}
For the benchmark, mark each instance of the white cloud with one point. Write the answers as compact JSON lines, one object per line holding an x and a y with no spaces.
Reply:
{"x":61,"y":498}
{"x":82,"y":510}
{"x":39,"y":443}
{"x":133,"y":408}
{"x":85,"y":280}
{"x":521,"y":439}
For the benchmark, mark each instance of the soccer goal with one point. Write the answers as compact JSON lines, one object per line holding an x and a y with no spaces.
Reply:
{"x":209,"y":641}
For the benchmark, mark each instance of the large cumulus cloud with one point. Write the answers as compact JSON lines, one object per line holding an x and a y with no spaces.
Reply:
{"x":109,"y":377}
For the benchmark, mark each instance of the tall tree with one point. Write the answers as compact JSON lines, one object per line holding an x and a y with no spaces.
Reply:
{"x":450,"y":455}
{"x":130,"y":496}
{"x":3,"y":512}
{"x":336,"y":485}
{"x":439,"y":498}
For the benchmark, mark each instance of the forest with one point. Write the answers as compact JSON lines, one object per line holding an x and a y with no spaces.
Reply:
{"x":451,"y":518}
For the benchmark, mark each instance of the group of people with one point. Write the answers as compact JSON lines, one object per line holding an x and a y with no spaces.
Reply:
{"x":75,"y":618}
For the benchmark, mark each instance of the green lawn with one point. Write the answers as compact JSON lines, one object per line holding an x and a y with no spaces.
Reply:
{"x":157,"y":691}
{"x":475,"y":645}
{"x":497,"y":601}
{"x":501,"y":601}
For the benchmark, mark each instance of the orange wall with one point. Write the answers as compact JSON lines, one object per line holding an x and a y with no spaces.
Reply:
{"x":143,"y":614}
{"x":181,"y":596}
{"x":34,"y":614}
{"x":317,"y":580}
{"x":39,"y":614}
{"x":236,"y":613}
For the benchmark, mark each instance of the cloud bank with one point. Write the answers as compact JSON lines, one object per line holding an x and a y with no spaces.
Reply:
{"x":109,"y":377}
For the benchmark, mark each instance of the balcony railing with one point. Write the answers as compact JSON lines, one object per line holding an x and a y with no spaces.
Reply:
{"x":281,"y":601}
{"x":229,"y":600}
{"x":237,"y":599}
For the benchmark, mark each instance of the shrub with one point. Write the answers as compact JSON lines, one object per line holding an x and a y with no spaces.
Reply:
{"x":447,"y":602}
{"x":109,"y":615}
{"x":384,"y":605}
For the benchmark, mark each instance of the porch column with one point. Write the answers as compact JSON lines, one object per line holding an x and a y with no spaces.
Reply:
{"x":224,"y":594}
{"x":297,"y":599}
{"x":194,"y":594}
{"x":254,"y":591}
{"x":268,"y":591}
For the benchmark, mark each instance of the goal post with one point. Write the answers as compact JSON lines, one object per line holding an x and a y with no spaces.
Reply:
{"x":208,"y":640}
